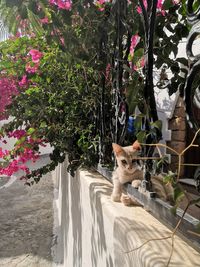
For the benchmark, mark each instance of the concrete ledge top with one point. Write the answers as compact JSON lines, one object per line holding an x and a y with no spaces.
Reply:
{"x":138,"y":238}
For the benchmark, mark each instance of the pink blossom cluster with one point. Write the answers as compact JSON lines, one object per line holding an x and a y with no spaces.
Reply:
{"x":159,"y":7}
{"x":45,"y":20}
{"x":101,"y":4}
{"x":21,"y":154}
{"x":18,"y":163}
{"x":24,"y":81}
{"x":134,"y":41}
{"x":35,"y":55}
{"x":140,"y":64}
{"x":32,"y":67}
{"x":8,"y":88}
{"x":62,"y":4}
{"x":3,"y":153}
{"x":17,"y":134}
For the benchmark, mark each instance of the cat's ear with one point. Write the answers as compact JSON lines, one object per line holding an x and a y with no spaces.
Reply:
{"x":117,"y":149}
{"x":136,"y":145}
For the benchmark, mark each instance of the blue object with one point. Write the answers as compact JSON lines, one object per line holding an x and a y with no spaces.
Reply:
{"x":131,"y":127}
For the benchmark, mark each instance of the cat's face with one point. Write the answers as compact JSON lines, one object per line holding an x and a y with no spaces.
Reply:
{"x":127,"y":157}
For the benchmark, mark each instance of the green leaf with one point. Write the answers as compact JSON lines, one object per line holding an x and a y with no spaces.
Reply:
{"x":31,"y":131}
{"x":138,"y":123}
{"x":43,"y":124}
{"x":21,"y":140}
{"x":169,"y":178}
{"x":178,"y":194}
{"x":167,"y":4}
{"x":157,"y":124}
{"x":141,"y":136}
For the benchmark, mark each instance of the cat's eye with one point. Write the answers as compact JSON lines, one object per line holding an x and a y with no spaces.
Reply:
{"x":124,"y":161}
{"x":134,"y":161}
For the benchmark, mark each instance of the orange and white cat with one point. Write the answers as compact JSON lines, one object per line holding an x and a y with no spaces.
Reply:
{"x":128,"y":170}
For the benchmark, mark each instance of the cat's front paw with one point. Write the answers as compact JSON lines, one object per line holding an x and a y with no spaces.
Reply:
{"x":116,"y":197}
{"x":136,"y":183}
{"x":126,"y":200}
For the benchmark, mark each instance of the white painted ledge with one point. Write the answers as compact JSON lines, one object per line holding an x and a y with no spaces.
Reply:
{"x":96,"y":232}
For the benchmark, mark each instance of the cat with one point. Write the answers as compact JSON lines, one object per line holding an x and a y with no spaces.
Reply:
{"x":129,"y":170}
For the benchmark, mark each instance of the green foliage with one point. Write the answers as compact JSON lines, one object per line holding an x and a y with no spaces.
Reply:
{"x":62,"y":107}
{"x":78,"y":45}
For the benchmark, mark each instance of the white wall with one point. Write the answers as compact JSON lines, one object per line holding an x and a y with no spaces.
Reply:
{"x":96,"y":232}
{"x":166,"y":104}
{"x":3,"y":32}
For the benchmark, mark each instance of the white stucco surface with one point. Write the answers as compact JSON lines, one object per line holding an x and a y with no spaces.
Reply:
{"x":96,"y":232}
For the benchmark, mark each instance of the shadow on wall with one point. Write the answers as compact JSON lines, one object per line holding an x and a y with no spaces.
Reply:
{"x":98,"y":239}
{"x":63,"y":227}
{"x":130,"y":235}
{"x":84,"y":233}
{"x":69,"y":228}
{"x":97,"y":235}
{"x":76,"y":217}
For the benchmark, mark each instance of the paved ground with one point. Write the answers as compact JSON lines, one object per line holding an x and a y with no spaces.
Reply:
{"x":26,"y":224}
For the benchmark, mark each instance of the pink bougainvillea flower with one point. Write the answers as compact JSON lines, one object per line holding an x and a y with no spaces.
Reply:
{"x":8,"y":88}
{"x":23,"y":82}
{"x":62,"y":40}
{"x":35,"y":55}
{"x":101,"y":4}
{"x":45,"y":20}
{"x":32,"y":69}
{"x":62,"y":4}
{"x":21,"y":153}
{"x":18,"y":34}
{"x":142,"y":62}
{"x":134,"y":41}
{"x":3,"y":153}
{"x":159,"y":6}
{"x":52,"y":2}
{"x":139,"y":9}
{"x":163,"y":12}
{"x":17,"y":134}
{"x":67,"y":5}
